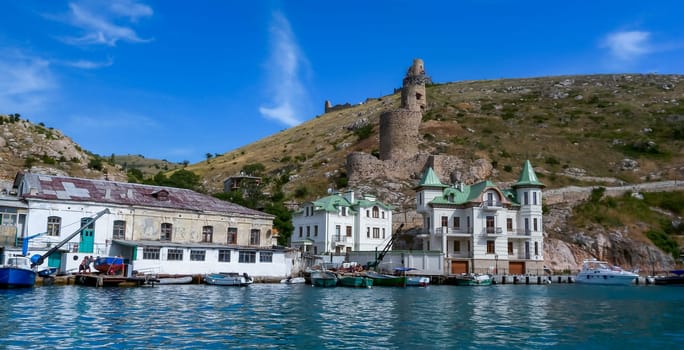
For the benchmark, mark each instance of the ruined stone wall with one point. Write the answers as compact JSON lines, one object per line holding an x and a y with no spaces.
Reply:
{"x":413,"y":95}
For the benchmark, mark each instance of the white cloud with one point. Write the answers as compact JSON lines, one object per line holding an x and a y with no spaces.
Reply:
{"x":98,"y":23}
{"x":286,"y":63}
{"x":85,"y":64}
{"x":26,"y":82}
{"x":628,"y":45}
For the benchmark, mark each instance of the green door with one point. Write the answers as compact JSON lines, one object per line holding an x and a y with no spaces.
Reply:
{"x":87,"y":237}
{"x":55,"y":259}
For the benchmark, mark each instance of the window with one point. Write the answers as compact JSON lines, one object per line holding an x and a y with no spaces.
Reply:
{"x":174,"y":254}
{"x":490,"y":247}
{"x":337,"y":230}
{"x":8,"y":219}
{"x":344,"y":211}
{"x":232,"y":235}
{"x":490,"y":199}
{"x":166,"y":230}
{"x":207,"y":234}
{"x":457,"y":246}
{"x":316,"y":231}
{"x":526,"y":198}
{"x":197,"y":255}
{"x":510,"y":247}
{"x":383,"y":214}
{"x":308,"y":231}
{"x":367,"y":232}
{"x":367,"y":213}
{"x":150,"y":253}
{"x":534,"y":224}
{"x":224,"y":255}
{"x":248,"y":257}
{"x":383,"y":233}
{"x":536,"y":248}
{"x":301,"y":231}
{"x":445,"y":221}
{"x":376,"y":212}
{"x":348,"y":250}
{"x":509,"y":224}
{"x":53,"y":224}
{"x":119,"y":231}
{"x":457,"y":223}
{"x":349,"y":231}
{"x":490,"y":224}
{"x":266,"y":257}
{"x":376,"y":232}
{"x":534,"y":198}
{"x":254,"y":237}
{"x":527,"y":226}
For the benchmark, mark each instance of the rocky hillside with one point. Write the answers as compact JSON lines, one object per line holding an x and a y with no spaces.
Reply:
{"x":25,"y":146}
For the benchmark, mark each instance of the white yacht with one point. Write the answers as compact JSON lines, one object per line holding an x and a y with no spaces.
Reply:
{"x":601,"y":272}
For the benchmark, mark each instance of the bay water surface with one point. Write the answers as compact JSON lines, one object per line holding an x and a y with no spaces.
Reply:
{"x":275,"y":316}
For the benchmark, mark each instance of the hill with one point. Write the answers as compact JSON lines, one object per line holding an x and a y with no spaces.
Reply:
{"x":595,"y":129}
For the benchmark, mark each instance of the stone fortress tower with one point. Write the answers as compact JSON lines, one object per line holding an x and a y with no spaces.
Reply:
{"x":400,"y":160}
{"x":399,"y":128}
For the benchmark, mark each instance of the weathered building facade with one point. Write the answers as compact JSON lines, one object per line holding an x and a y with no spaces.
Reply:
{"x":156,"y":229}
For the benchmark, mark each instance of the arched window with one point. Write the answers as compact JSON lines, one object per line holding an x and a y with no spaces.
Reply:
{"x":376,"y":212}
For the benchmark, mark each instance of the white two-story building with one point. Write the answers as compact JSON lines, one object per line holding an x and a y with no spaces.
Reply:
{"x":482,"y":228}
{"x":341,"y":223}
{"x":155,"y":229}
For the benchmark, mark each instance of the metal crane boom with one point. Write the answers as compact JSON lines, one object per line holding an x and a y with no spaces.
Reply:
{"x":39,"y":259}
{"x":385,"y":249}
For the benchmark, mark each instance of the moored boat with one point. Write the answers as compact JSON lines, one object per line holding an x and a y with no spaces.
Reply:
{"x":323,"y":279}
{"x":474,"y":280}
{"x":17,"y":273}
{"x":675,"y":277}
{"x":293,"y":280}
{"x":417,"y":281}
{"x":109,"y":265}
{"x":173,"y":279}
{"x":600,"y":272}
{"x":380,"y":279}
{"x":356,"y":281}
{"x":228,"y":279}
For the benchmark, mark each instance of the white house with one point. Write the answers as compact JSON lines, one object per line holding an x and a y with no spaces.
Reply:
{"x":481,"y":228}
{"x":155,"y":229}
{"x":340,"y":223}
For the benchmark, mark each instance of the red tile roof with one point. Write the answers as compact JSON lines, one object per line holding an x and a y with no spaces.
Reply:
{"x":71,"y":189}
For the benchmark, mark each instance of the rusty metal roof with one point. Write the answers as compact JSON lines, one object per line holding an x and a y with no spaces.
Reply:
{"x":71,"y":189}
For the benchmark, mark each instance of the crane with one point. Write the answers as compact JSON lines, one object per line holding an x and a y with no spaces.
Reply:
{"x":39,"y":259}
{"x":385,"y":249}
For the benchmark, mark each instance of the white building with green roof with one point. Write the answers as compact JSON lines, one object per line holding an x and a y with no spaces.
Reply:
{"x":341,"y":223}
{"x":481,"y":228}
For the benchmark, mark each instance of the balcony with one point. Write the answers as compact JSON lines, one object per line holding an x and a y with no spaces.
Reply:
{"x":492,"y":205}
{"x":451,"y":231}
{"x":341,"y":240}
{"x":493,"y":231}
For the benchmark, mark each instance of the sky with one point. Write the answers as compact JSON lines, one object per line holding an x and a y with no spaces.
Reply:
{"x":178,"y":80}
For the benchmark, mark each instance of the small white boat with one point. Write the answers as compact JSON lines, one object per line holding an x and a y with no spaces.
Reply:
{"x":601,"y":272}
{"x":293,"y":280}
{"x":174,"y":279}
{"x":228,"y":279}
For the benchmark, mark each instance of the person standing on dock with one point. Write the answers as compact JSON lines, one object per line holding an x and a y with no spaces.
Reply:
{"x":84,"y":263}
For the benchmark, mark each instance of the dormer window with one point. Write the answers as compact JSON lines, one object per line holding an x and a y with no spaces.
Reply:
{"x":162,"y":195}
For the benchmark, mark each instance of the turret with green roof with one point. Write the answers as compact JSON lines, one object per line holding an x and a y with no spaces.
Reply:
{"x":527,"y":177}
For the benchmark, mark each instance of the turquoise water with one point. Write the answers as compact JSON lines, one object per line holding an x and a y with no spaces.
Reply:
{"x":301,"y":316}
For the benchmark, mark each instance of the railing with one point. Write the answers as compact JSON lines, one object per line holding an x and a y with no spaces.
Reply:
{"x":493,"y":231}
{"x":341,"y":239}
{"x":449,"y":230}
{"x":492,"y":204}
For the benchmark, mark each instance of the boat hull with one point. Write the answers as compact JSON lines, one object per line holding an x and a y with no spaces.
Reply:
{"x":669,"y":280}
{"x":16,"y":277}
{"x":293,"y":280}
{"x":228,"y":280}
{"x":174,"y":280}
{"x":605,"y":279}
{"x":474,"y":281}
{"x":417,"y":281}
{"x":109,"y":265}
{"x":356,"y":281}
{"x":387,"y":280}
{"x":323,"y":279}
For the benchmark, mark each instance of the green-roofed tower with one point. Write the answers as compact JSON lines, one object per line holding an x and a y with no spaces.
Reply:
{"x":528,"y":178}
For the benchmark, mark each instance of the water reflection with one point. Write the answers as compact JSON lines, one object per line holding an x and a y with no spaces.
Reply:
{"x":301,"y":316}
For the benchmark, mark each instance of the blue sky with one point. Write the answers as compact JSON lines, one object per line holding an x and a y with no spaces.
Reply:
{"x":176,"y":80}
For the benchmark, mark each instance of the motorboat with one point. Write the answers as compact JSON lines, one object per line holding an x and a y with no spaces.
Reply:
{"x":293,"y":280}
{"x":675,"y":277}
{"x":17,"y":273}
{"x":600,"y":272}
{"x":228,"y":279}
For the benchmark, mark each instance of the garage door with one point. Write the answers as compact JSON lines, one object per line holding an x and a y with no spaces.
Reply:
{"x":516,"y":268}
{"x":459,"y":267}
